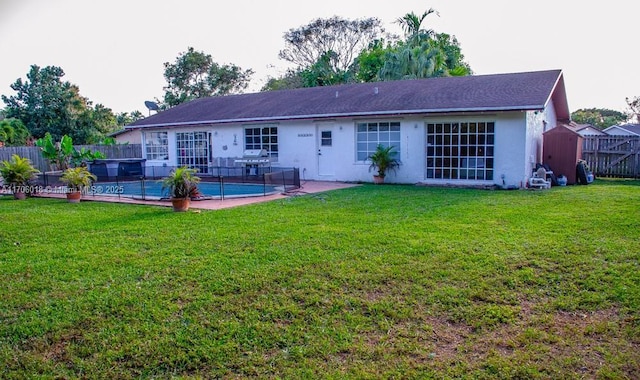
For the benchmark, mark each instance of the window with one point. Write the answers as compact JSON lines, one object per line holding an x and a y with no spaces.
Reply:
{"x":369,"y":135}
{"x":325,"y":138}
{"x":461,"y":150}
{"x":156,"y":145}
{"x":193,"y":150}
{"x":262,"y":137}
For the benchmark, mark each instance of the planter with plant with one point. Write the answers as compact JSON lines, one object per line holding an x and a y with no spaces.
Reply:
{"x":17,"y":174}
{"x":182,"y":185}
{"x":77,"y":180}
{"x":383,"y":160}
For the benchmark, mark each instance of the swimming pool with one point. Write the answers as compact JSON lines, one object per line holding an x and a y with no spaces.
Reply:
{"x":151,"y":189}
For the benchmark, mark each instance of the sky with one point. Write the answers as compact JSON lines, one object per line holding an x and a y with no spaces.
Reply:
{"x":114,"y":50}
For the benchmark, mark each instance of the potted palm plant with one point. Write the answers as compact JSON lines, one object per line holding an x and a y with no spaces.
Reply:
{"x":182,"y":185}
{"x":77,"y":179}
{"x":16,"y":174}
{"x":383,"y":160}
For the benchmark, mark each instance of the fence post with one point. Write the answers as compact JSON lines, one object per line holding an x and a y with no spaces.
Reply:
{"x":221,"y":188}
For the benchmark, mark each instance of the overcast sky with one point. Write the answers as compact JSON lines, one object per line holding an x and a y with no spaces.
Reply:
{"x":114,"y":50}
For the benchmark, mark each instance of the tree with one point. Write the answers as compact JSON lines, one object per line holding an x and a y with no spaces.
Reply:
{"x":290,"y":80}
{"x":341,"y":38}
{"x":411,"y":62}
{"x":453,"y":57}
{"x":45,"y":103}
{"x":411,"y":24}
{"x":424,"y":58}
{"x":634,"y":106}
{"x":599,"y":117}
{"x":324,"y":52}
{"x":124,"y":118}
{"x":13,"y":132}
{"x":424,"y":53}
{"x":371,"y":60}
{"x":195,"y":75}
{"x":322,"y":73}
{"x":42,"y":101}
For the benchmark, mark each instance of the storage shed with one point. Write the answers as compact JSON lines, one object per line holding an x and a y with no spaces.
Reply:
{"x":561,"y":150}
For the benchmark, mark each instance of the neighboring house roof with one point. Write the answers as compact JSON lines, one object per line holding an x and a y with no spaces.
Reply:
{"x":632,"y":129}
{"x":564,"y":128}
{"x":476,"y":93}
{"x":118,"y":133}
{"x":588,"y":130}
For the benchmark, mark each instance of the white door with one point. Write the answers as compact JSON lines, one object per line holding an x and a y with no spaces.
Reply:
{"x":327,"y":159}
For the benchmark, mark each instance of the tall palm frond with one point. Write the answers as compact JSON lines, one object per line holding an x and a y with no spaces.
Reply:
{"x":411,"y":24}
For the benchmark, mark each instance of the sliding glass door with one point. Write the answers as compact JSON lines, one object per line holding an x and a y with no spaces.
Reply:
{"x":194,"y":150}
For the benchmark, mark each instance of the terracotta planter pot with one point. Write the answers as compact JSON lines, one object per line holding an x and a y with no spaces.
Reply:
{"x":19,"y":195}
{"x":180,"y":204}
{"x":378,"y":180}
{"x":74,"y":196}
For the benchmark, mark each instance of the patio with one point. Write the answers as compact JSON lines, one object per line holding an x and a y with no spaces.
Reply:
{"x":308,"y":187}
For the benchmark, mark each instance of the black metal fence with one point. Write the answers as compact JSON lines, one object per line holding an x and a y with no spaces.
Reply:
{"x":131,"y":179}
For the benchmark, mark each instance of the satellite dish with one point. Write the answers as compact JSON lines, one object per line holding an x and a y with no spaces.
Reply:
{"x":151,"y":106}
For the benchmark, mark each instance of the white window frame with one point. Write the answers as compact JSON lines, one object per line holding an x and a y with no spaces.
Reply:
{"x":460,"y":150}
{"x":193,"y":150}
{"x":262,"y":136}
{"x":156,"y":146}
{"x":369,"y":134}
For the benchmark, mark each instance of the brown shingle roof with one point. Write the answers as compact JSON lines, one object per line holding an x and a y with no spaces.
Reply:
{"x":497,"y":92}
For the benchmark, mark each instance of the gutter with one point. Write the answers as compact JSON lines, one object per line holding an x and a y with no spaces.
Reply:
{"x":335,"y":115}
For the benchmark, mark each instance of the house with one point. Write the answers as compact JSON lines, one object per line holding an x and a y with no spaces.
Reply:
{"x":127,"y":136}
{"x":623,"y":130}
{"x":587,"y":130}
{"x":473,"y":130}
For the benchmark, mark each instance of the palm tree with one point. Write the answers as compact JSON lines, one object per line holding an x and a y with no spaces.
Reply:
{"x":411,"y":24}
{"x":412,"y":62}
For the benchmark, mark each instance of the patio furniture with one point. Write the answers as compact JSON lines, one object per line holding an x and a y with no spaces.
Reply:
{"x":539,"y":179}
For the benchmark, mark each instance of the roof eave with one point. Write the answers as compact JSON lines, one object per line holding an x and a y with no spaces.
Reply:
{"x":559,"y":96}
{"x":341,"y":115}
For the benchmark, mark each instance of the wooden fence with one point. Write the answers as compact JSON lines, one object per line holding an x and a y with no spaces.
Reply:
{"x":612,"y":156}
{"x":33,"y":153}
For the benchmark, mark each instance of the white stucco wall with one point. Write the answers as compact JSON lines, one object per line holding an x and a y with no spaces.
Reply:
{"x":535,"y":128}
{"x":517,"y":139}
{"x":299,"y":146}
{"x":537,"y":122}
{"x":132,"y":137}
{"x":510,"y":153}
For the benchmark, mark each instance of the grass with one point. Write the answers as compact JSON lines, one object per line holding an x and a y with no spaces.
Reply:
{"x":367,"y":282}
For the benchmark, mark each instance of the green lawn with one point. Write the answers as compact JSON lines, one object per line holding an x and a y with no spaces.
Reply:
{"x":367,"y":282}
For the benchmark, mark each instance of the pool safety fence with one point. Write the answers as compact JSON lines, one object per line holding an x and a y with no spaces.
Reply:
{"x":135,"y":180}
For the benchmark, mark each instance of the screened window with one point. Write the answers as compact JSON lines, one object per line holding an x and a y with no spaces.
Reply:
{"x":262,"y":137}
{"x":369,"y":135}
{"x":462,"y":150}
{"x":156,"y":145}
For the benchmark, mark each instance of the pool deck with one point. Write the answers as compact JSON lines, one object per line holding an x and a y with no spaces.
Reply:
{"x":308,"y":187}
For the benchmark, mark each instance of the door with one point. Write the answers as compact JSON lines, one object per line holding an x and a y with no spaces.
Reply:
{"x":194,"y":150}
{"x":327,"y":159}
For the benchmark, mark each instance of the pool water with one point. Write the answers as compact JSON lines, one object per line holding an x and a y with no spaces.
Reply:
{"x":153,"y":189}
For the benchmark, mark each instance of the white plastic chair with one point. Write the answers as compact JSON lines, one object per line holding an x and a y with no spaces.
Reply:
{"x":539,"y":180}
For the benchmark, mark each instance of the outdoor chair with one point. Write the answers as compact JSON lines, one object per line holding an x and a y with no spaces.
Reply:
{"x":539,"y":180}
